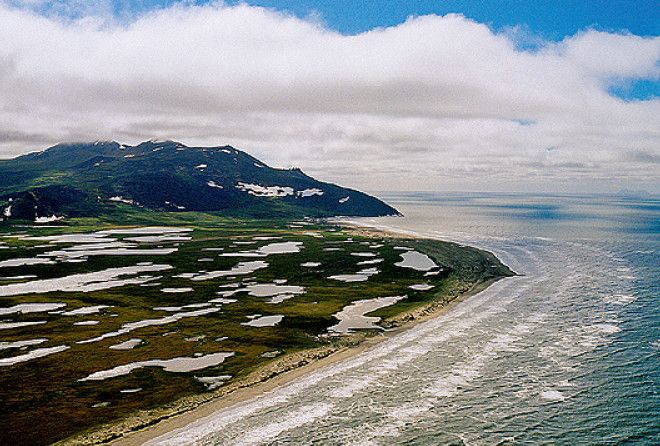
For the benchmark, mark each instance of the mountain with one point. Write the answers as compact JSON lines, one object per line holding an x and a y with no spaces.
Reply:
{"x":89,"y":179}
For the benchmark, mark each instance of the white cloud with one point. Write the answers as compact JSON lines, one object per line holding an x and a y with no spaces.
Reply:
{"x":435,"y":102}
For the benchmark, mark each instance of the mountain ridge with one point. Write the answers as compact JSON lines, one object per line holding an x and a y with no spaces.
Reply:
{"x":90,"y":179}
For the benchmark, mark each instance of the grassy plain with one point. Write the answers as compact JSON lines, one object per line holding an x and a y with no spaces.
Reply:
{"x":43,"y":400}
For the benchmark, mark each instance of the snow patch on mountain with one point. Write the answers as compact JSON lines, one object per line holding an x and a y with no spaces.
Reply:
{"x":50,"y":219}
{"x":309,"y":192}
{"x":120,"y":199}
{"x":264,"y":191}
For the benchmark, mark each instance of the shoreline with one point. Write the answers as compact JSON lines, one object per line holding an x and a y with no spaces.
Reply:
{"x":149,"y":424}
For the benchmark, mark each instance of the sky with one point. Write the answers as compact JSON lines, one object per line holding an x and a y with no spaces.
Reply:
{"x":545,"y":96}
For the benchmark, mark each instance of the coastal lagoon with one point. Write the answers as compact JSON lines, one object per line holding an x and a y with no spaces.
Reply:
{"x":565,"y":353}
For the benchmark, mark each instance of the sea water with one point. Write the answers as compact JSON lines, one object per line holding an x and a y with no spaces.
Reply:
{"x":567,"y":352}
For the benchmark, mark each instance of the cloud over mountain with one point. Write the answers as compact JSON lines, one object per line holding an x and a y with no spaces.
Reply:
{"x":433,"y":102}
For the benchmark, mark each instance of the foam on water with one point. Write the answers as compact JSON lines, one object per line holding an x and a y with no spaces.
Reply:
{"x":294,"y":419}
{"x":553,"y":395}
{"x":542,"y":357}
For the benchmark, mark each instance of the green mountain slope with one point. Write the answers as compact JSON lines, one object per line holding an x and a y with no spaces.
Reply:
{"x":89,"y":179}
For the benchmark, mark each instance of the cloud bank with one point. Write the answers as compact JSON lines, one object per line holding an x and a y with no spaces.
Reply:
{"x":433,"y":103}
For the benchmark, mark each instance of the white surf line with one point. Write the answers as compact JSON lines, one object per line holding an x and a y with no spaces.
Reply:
{"x":215,"y":422}
{"x":461,"y":375}
{"x":406,"y":356}
{"x":419,"y":345}
{"x":292,"y":420}
{"x":372,"y":356}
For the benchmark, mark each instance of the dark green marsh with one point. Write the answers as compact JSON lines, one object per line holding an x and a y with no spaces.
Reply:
{"x":45,"y":399}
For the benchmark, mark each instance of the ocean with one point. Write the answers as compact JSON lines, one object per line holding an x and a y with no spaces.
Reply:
{"x":567,"y":352}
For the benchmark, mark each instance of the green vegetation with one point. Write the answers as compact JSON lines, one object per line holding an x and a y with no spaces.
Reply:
{"x":43,"y":400}
{"x":90,"y":179}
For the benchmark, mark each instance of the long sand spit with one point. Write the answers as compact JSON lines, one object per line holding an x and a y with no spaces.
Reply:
{"x":149,"y":424}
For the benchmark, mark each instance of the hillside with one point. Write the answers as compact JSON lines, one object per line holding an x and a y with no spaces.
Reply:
{"x":90,"y":179}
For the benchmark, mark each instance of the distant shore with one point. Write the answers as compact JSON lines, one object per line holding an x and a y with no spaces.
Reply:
{"x":150,"y":424}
